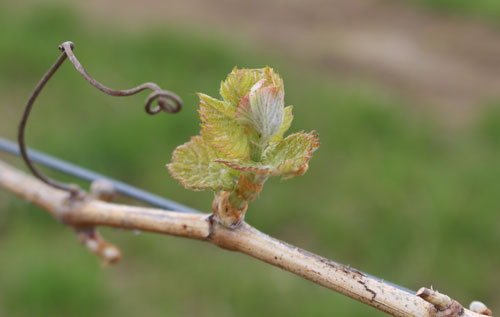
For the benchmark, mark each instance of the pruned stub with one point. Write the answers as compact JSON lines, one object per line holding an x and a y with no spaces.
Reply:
{"x":454,"y":310}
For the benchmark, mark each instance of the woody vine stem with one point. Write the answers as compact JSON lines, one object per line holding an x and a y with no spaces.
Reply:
{"x":87,"y":213}
{"x":242,"y":143}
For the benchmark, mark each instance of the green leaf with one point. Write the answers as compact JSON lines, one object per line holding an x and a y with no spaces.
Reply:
{"x":247,"y":166}
{"x":262,"y":111}
{"x":291,"y":156}
{"x":221,"y":129}
{"x":239,"y":82}
{"x":287,"y":122}
{"x":287,"y":158}
{"x":243,"y":133}
{"x":194,"y":166}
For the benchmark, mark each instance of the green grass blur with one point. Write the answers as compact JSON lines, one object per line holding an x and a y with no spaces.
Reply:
{"x":488,"y":10}
{"x":390,"y":191}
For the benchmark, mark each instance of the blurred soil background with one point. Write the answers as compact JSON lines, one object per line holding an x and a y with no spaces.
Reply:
{"x":405,"y":186}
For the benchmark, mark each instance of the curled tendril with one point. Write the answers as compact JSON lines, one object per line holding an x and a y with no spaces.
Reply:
{"x":165,"y":104}
{"x":166,"y":101}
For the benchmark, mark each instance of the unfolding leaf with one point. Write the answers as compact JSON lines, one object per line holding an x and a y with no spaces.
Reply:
{"x":291,"y":156}
{"x":222,"y":107}
{"x":221,"y":128}
{"x":262,"y":111}
{"x":287,"y":121}
{"x":287,"y":158}
{"x":247,"y":165}
{"x":194,"y":166}
{"x":239,"y":82}
{"x":242,"y":138}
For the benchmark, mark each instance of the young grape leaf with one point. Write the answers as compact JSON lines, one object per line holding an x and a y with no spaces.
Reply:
{"x":262,"y":111}
{"x":239,"y":82}
{"x":291,"y":156}
{"x":286,"y":158}
{"x":287,"y":122}
{"x":194,"y":166}
{"x":221,"y":128}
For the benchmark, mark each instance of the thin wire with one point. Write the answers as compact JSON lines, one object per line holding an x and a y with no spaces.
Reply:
{"x":122,"y":188}
{"x":167,"y":102}
{"x":90,"y":176}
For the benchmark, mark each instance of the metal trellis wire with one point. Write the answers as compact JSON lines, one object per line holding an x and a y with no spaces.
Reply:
{"x":90,"y":176}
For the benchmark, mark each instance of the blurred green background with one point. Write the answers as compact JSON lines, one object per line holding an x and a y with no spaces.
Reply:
{"x":489,"y":10}
{"x":394,"y":190}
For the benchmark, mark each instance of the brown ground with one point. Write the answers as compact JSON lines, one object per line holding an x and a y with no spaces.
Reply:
{"x":448,"y":64}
